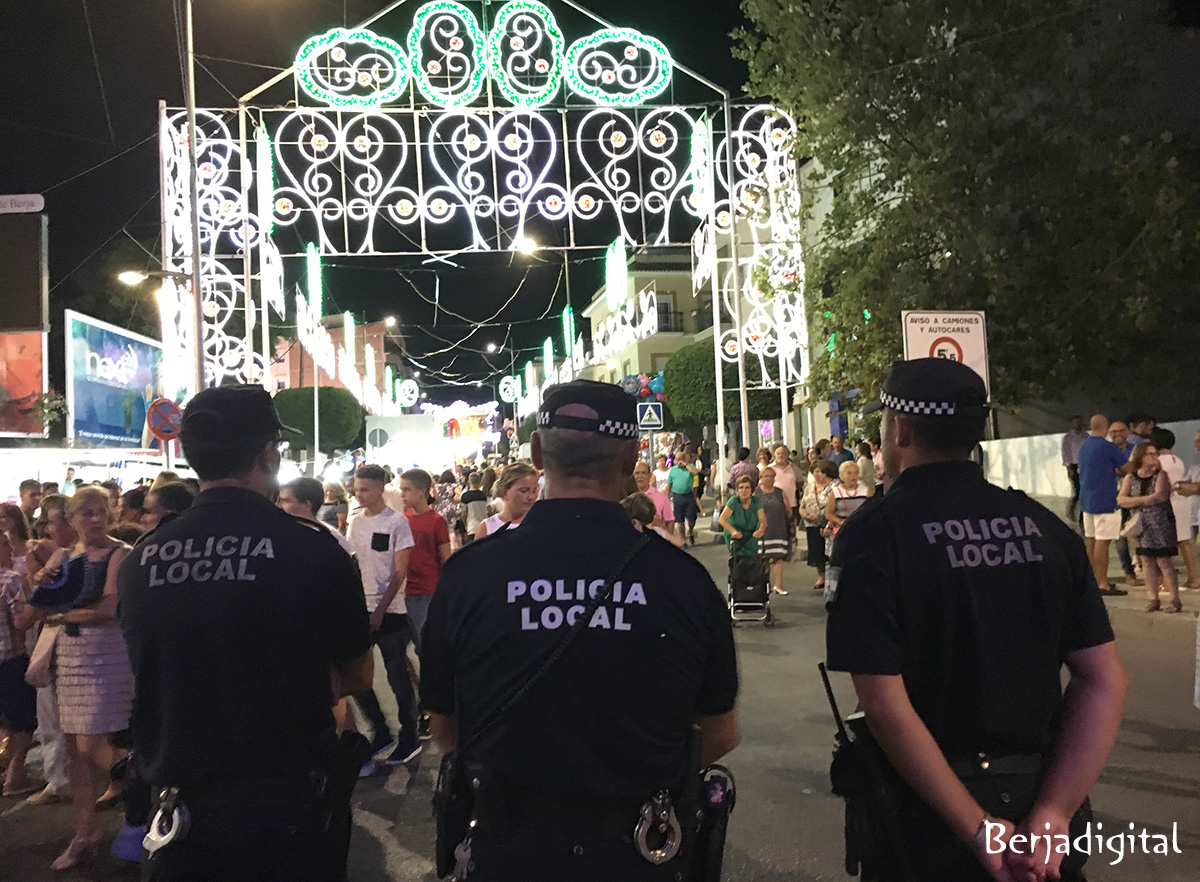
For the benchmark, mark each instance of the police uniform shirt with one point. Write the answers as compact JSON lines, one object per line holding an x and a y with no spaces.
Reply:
{"x":974,"y":594}
{"x":233,"y":613}
{"x":611,"y":719}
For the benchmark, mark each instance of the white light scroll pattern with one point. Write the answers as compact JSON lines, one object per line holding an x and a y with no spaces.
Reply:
{"x":223,"y":222}
{"x":529,"y":172}
{"x":352,"y":69}
{"x":526,"y":52}
{"x":448,"y":53}
{"x":773,"y":322}
{"x":618,"y":66}
{"x":638,"y":167}
{"x":333,"y":169}
{"x":761,"y":142}
{"x":408,"y":181}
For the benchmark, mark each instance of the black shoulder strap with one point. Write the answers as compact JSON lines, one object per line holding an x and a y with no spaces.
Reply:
{"x":519,"y":694}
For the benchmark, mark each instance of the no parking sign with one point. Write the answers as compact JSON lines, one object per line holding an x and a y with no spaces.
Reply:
{"x":164,"y":417}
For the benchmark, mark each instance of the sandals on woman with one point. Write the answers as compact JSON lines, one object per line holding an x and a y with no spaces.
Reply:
{"x":1174,"y":606}
{"x":1153,"y":606}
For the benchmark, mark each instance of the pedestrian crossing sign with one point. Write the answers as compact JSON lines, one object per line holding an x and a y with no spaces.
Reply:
{"x":650,"y":417}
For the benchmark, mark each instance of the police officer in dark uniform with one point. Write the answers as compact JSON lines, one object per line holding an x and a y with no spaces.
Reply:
{"x":563,"y":779}
{"x":244,"y":625}
{"x":954,"y":605}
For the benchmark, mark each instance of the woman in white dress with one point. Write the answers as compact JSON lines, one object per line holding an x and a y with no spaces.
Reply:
{"x":92,"y":674}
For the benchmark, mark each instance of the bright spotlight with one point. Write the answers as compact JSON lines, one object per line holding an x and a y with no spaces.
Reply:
{"x":526,"y":245}
{"x":491,"y":347}
{"x":390,"y":321}
{"x":132,"y":277}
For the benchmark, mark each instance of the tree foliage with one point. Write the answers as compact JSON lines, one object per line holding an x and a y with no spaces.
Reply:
{"x":980,"y":154}
{"x":690,"y":384}
{"x":342,"y":416}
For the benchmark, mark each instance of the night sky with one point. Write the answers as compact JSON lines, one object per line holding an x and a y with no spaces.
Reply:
{"x":68,"y":109}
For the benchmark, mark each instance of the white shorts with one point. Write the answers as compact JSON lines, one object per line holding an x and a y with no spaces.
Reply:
{"x":1105,"y":527}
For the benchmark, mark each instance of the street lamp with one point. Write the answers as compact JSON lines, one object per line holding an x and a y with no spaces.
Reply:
{"x":136,"y":277}
{"x":491,"y":347}
{"x":390,"y":321}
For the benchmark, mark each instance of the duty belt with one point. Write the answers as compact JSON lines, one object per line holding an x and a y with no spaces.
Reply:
{"x":985,"y":764}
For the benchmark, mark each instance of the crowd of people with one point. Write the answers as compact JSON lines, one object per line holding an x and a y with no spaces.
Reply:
{"x":1129,"y":488}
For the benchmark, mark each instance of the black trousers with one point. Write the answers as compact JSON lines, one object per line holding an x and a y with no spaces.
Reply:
{"x":255,"y":836}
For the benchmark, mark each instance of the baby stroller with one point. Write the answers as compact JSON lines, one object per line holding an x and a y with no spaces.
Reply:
{"x":749,"y":587}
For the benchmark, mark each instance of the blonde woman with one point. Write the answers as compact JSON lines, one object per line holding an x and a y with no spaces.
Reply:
{"x":92,"y":674}
{"x":517,"y":488}
{"x":846,"y":498}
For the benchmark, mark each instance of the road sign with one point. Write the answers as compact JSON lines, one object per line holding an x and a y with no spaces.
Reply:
{"x":164,"y":418}
{"x":23,"y":203}
{"x":650,"y":418}
{"x":958,"y":336}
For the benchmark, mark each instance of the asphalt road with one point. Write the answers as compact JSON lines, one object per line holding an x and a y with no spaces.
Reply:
{"x":787,"y":826}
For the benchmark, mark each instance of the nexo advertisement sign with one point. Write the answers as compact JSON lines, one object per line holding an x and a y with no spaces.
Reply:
{"x":112,"y":376}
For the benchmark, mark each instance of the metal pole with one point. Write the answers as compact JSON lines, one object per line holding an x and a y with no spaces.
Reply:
{"x":734,"y":282}
{"x":714,"y":271}
{"x":247,"y":276}
{"x":194,"y":182}
{"x":316,"y":414}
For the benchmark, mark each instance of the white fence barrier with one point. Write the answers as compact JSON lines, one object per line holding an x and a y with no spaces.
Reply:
{"x":1034,"y":464}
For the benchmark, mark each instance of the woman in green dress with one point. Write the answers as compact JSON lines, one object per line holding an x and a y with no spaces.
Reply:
{"x":743,"y":519}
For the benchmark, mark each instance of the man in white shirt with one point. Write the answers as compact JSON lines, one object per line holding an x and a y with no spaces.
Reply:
{"x":661,"y":473}
{"x":380,"y":538}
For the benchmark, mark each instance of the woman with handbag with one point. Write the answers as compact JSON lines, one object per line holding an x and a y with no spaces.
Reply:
{"x":1147,"y":490}
{"x":91,"y":671}
{"x":812,"y":513}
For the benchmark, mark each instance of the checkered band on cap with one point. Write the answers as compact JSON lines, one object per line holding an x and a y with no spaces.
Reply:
{"x":613,"y":428}
{"x":923,"y":408}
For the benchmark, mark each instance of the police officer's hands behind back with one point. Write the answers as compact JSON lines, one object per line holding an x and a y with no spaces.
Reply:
{"x":1041,"y":862}
{"x":1000,"y":865}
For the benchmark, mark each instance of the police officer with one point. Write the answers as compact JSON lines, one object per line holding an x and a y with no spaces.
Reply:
{"x":239,"y":619}
{"x":564,"y":777}
{"x":954,"y":604}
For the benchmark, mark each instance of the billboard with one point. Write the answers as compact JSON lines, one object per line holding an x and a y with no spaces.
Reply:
{"x":22,"y":382}
{"x":112,"y":376}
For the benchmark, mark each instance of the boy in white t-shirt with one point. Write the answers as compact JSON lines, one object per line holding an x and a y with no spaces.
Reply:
{"x":380,"y":538}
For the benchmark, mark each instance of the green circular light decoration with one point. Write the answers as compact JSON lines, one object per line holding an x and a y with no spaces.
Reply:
{"x":501,"y":48}
{"x":510,"y":389}
{"x":335,"y":90}
{"x":408,"y":393}
{"x":425,"y":66}
{"x":609,"y":70}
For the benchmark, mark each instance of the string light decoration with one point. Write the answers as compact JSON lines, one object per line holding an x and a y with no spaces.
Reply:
{"x":526,"y":51}
{"x":447,"y":50}
{"x":618,"y":66}
{"x":350,"y":69}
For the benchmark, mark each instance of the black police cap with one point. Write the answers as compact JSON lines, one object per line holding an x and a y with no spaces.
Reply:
{"x":616,"y":409}
{"x":224,"y":414}
{"x":934,"y":387}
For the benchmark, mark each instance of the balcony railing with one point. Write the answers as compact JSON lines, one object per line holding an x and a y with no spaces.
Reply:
{"x":670,"y":320}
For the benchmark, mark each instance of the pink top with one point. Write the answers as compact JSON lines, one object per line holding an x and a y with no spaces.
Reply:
{"x":662,"y":505}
